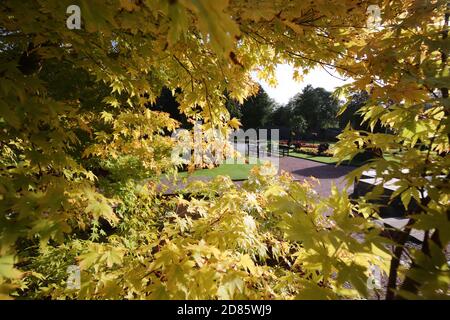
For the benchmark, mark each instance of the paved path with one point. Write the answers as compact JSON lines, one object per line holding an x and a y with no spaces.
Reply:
{"x":327,"y":174}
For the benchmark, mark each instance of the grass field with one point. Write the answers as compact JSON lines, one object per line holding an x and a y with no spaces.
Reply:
{"x":235,"y":171}
{"x":330,"y":160}
{"x":322,"y":159}
{"x":242,"y":171}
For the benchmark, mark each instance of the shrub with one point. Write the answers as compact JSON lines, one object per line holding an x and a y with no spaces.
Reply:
{"x":323,"y":147}
{"x":300,"y":144}
{"x":314,"y":151}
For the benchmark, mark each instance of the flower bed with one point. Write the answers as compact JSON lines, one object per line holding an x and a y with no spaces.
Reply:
{"x":299,"y":144}
{"x":314,"y":151}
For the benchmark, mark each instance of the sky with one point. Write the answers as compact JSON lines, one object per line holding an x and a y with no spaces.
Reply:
{"x":288,"y":87}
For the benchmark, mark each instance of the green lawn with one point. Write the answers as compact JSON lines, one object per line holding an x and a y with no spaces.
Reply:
{"x":330,"y":160}
{"x":322,"y":159}
{"x":242,"y":171}
{"x":235,"y":171}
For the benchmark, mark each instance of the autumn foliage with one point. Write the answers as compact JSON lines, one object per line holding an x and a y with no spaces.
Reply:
{"x":82,"y":150}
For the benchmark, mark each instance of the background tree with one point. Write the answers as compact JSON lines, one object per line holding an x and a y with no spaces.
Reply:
{"x":350,"y":115}
{"x":353,"y":111}
{"x":316,"y":106}
{"x":281,"y":116}
{"x":256,"y":110}
{"x":233,"y":107}
{"x":298,"y":124}
{"x":167,"y":102}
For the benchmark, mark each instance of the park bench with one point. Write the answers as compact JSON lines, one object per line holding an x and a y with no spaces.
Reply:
{"x":284,"y":150}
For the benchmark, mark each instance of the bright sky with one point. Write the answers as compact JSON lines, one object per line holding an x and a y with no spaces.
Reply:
{"x":288,"y":87}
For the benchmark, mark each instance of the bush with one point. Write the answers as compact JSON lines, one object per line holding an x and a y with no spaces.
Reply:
{"x":314,"y":151}
{"x":323,"y":147}
{"x":297,"y":144}
{"x":300,"y":144}
{"x":167,"y":247}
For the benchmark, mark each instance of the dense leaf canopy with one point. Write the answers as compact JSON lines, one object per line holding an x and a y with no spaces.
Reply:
{"x":75,"y":100}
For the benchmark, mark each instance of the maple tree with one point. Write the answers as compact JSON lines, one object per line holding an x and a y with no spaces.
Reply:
{"x":74,"y":101}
